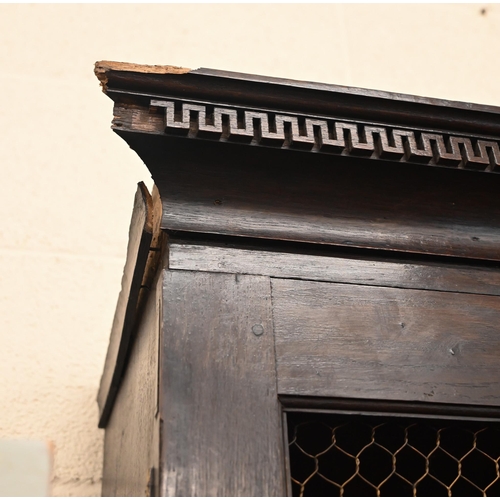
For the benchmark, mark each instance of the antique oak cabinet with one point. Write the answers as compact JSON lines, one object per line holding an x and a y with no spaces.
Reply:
{"x":310,"y":303}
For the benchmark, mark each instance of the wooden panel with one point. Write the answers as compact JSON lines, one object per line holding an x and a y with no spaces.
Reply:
{"x":140,"y":236}
{"x":131,"y":447}
{"x":352,"y":341}
{"x":222,"y":427}
{"x":444,"y":277}
{"x":295,"y":196}
{"x":270,"y":128}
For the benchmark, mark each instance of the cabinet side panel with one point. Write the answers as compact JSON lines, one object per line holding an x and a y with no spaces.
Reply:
{"x":353,"y":341}
{"x":222,"y":426}
{"x":130,"y":450}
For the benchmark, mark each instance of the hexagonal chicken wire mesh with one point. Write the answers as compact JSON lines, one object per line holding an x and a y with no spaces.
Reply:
{"x":332,"y":455}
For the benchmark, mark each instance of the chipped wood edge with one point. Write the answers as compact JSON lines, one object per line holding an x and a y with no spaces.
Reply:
{"x":158,"y":242}
{"x":150,"y":268}
{"x":102,"y":68}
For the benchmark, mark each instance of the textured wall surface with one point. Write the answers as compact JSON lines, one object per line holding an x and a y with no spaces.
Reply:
{"x":68,"y":182}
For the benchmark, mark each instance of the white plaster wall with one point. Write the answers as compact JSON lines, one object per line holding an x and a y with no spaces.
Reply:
{"x":68,"y":182}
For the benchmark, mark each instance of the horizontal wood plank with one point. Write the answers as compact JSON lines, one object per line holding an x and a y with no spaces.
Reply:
{"x":350,"y":202}
{"x":199,"y":257}
{"x":351,"y":341}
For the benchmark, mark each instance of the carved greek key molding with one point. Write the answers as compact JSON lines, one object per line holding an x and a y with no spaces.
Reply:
{"x":328,"y":136}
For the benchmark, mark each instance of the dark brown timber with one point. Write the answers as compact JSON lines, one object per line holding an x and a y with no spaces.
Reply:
{"x":308,"y":247}
{"x":140,"y":235}
{"x":221,"y":431}
{"x":449,"y":277}
{"x":243,"y":156}
{"x":336,"y":340}
{"x":267,"y":92}
{"x":131,"y":447}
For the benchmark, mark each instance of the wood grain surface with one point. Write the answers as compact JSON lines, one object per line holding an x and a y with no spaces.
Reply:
{"x":222,"y":426}
{"x":292,"y":95}
{"x":399,"y":310}
{"x":140,"y":236}
{"x":414,"y":275}
{"x":353,"y":341}
{"x":131,"y":447}
{"x":296,"y":196}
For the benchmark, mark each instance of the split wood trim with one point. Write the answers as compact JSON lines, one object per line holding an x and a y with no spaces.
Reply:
{"x":143,"y":252}
{"x":327,"y":135}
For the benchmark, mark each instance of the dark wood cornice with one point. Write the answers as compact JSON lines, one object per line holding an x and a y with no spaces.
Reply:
{"x":297,"y":97}
{"x":143,"y":253}
{"x":249,"y":156}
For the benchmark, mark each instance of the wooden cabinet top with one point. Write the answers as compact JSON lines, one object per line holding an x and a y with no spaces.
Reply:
{"x":256,"y":157}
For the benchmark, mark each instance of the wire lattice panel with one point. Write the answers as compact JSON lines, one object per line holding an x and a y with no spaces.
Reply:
{"x":334,"y":455}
